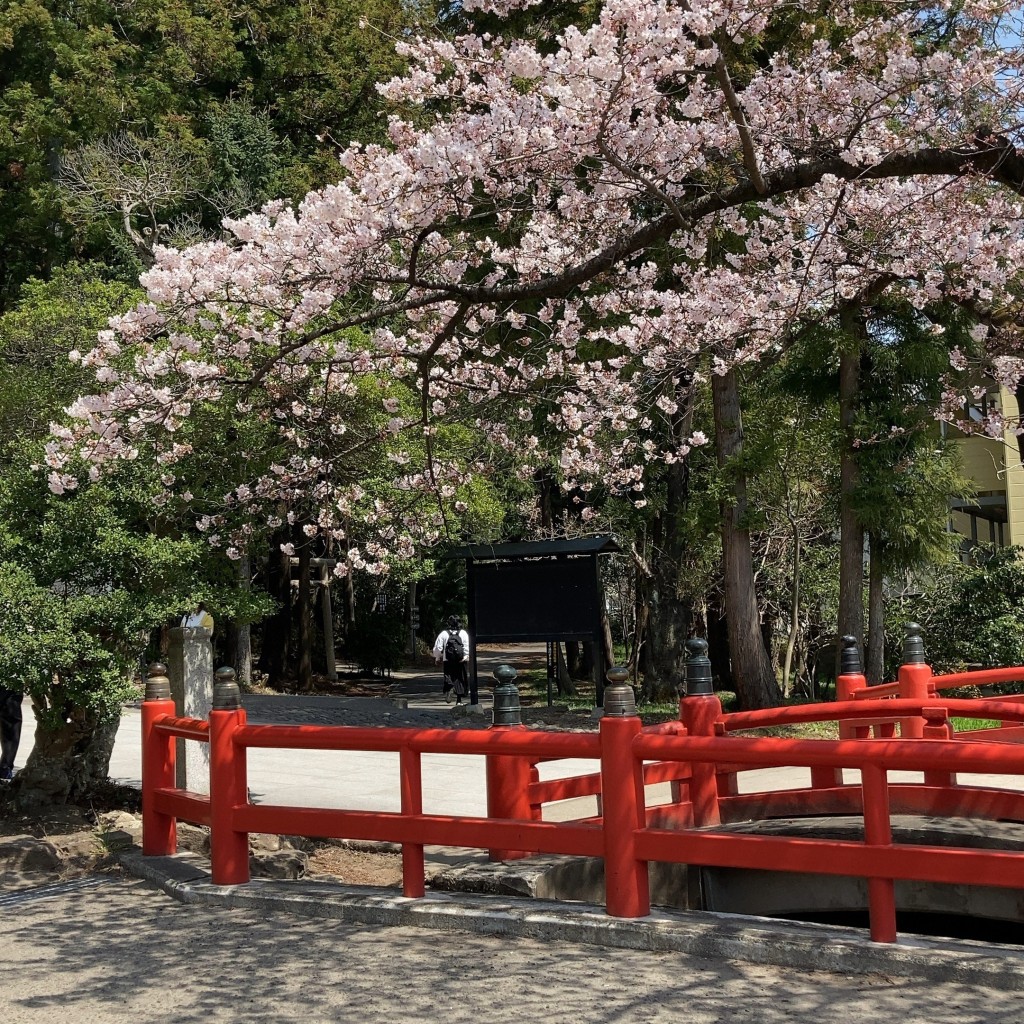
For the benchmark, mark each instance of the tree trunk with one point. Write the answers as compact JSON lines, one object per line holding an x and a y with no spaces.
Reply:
{"x":669,"y":612}
{"x":566,"y":683}
{"x":305,"y":617}
{"x":546,"y":488}
{"x":587,"y":660}
{"x":277,"y":630}
{"x":243,"y":635}
{"x":573,"y":658}
{"x":874,"y":668}
{"x":608,"y":644}
{"x":640,"y":619}
{"x":851,"y":546}
{"x":71,"y":753}
{"x":756,"y":685}
{"x":794,"y":615}
{"x":718,"y":646}
{"x":350,"y":601}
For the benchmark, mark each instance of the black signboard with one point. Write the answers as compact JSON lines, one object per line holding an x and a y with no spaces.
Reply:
{"x":544,"y":599}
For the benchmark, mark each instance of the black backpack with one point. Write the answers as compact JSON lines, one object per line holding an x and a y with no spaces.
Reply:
{"x":453,"y":647}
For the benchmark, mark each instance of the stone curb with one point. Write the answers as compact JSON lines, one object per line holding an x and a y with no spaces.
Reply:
{"x":798,"y":945}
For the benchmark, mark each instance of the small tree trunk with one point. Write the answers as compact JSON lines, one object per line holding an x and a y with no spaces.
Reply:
{"x":305,"y":619}
{"x":608,"y":644}
{"x":573,"y":658}
{"x":794,"y":615}
{"x":587,"y":660}
{"x":277,"y":629}
{"x":756,"y":686}
{"x":566,"y":683}
{"x":70,"y":754}
{"x":874,"y":668}
{"x":718,"y":645}
{"x":350,"y":601}
{"x":670,"y":613}
{"x":243,"y":640}
{"x":851,"y":546}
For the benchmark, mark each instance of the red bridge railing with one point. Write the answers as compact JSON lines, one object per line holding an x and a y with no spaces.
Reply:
{"x":702,"y":757}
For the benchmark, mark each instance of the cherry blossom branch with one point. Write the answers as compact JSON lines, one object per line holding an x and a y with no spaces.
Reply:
{"x":446,"y":334}
{"x":739,"y":115}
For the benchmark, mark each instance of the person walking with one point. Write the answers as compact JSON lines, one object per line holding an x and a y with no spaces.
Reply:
{"x":452,"y":648}
{"x":10,"y":731}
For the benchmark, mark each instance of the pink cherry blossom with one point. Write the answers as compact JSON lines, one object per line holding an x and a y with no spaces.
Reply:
{"x":551,"y":248}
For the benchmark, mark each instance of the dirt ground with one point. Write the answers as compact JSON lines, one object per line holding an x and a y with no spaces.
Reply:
{"x":356,"y":867}
{"x":69,"y":841}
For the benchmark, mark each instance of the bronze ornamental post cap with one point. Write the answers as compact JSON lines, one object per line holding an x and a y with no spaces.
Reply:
{"x":619,"y":699}
{"x":158,"y":686}
{"x":226,"y":694}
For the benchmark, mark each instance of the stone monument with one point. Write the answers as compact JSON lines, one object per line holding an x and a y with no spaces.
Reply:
{"x":190,"y":669}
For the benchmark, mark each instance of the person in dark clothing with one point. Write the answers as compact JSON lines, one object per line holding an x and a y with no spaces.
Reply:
{"x":10,"y":731}
{"x":452,"y":647}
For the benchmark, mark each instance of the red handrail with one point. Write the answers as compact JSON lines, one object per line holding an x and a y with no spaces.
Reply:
{"x":700,"y":756}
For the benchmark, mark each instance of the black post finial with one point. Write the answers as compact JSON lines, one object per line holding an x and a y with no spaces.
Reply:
{"x":699,"y":682}
{"x":849,"y":661}
{"x":913,"y":645}
{"x":506,"y":709}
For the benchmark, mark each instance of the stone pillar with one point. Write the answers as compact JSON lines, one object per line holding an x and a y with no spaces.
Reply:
{"x":190,"y":668}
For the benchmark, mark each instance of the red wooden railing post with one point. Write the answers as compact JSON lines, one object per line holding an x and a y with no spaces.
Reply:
{"x":626,"y":880}
{"x":700,"y":709}
{"x":915,"y":677}
{"x":508,"y":792}
{"x":878,"y":832}
{"x":536,"y":809}
{"x":229,"y":848}
{"x":413,"y":861}
{"x":508,"y":775}
{"x":159,"y":831}
{"x":937,"y":727}
{"x":850,"y":680}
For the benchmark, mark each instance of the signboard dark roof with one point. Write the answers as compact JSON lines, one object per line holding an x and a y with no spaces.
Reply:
{"x":535,"y":549}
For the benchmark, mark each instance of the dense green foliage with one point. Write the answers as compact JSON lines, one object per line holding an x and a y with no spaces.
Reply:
{"x":240,"y":103}
{"x":971,"y":614}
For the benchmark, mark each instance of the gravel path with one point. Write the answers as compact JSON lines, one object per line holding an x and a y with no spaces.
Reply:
{"x":121,"y":951}
{"x":289,"y":709}
{"x":412,"y":698}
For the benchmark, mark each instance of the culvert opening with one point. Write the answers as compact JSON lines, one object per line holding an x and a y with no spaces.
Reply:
{"x":944,"y":926}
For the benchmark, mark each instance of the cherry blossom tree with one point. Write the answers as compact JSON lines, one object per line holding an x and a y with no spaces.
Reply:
{"x":606,"y":215}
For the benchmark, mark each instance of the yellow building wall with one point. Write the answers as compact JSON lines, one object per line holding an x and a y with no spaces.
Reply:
{"x":984,"y":462}
{"x":1013,"y":473}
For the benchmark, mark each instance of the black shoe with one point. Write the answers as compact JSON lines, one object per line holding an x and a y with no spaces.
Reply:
{"x":6,"y":774}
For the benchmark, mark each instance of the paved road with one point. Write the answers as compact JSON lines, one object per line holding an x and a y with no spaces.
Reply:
{"x":122,"y":951}
{"x":370,"y":780}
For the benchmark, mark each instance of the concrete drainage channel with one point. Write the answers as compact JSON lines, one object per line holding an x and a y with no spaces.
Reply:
{"x":954,"y":912}
{"x":716,"y":936}
{"x":52,"y":891}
